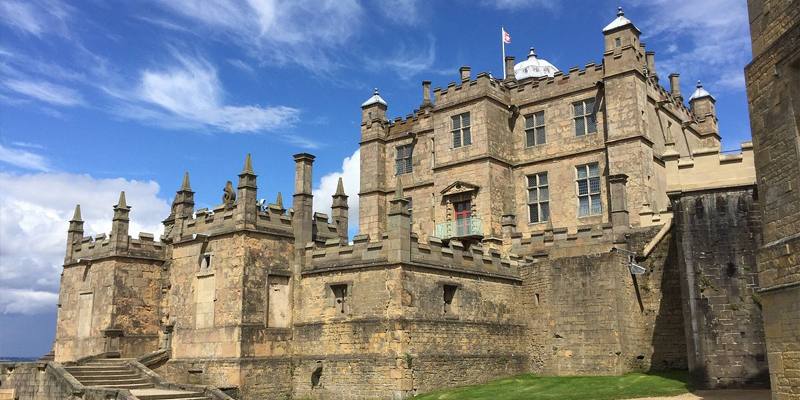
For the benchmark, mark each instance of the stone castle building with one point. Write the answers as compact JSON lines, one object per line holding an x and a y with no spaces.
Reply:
{"x":555,"y":222}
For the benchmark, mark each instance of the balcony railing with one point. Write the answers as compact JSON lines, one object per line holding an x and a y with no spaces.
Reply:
{"x":459,"y":228}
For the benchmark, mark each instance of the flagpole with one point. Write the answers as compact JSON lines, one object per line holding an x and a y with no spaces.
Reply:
{"x":503,"y":45}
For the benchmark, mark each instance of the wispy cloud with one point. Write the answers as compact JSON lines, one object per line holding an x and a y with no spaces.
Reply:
{"x":403,"y":12}
{"x":407,"y":62}
{"x":278,"y":31}
{"x":711,"y":35}
{"x":521,"y":4}
{"x":191,"y":92}
{"x":23,"y":159}
{"x":45,"y":91}
{"x":36,"y":17}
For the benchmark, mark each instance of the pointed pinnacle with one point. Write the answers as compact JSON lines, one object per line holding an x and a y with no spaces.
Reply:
{"x":185,"y":186}
{"x":76,"y":216}
{"x":248,"y":165}
{"x":340,"y":188}
{"x":398,"y":191}
{"x":121,"y":202}
{"x":279,"y":200}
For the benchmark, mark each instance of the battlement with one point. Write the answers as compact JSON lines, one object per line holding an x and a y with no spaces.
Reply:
{"x":560,"y":241}
{"x":452,"y":256}
{"x":709,"y":168}
{"x":101,"y":246}
{"x":534,"y":89}
{"x":456,"y":93}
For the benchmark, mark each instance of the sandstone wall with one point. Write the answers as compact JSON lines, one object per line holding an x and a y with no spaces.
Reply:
{"x":34,"y":381}
{"x":718,"y":236}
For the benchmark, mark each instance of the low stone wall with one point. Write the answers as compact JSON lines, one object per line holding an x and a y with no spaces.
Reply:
{"x":34,"y":381}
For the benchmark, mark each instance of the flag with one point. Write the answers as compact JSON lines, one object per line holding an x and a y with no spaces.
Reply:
{"x":506,"y":36}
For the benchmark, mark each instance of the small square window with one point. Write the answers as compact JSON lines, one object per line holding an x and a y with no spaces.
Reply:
{"x":340,"y":298}
{"x":585,"y":117}
{"x":534,"y":129}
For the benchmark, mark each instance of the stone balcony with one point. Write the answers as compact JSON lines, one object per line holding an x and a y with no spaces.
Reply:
{"x":460,"y":228}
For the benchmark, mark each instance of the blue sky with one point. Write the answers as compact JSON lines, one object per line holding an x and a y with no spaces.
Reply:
{"x":100,"y":96}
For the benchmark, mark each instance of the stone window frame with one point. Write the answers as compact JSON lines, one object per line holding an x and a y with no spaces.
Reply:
{"x":461,"y":131}
{"x":535,"y":131}
{"x":540,"y":203}
{"x":582,"y":120}
{"x":330,"y":293}
{"x":207,"y":257}
{"x":450,"y":309}
{"x":591,"y":180}
{"x":403,"y":161}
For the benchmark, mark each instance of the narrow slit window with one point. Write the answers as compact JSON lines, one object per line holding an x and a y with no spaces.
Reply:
{"x":340,"y":298}
{"x":448,"y":295}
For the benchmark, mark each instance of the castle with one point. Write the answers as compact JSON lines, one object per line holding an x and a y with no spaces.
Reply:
{"x":555,"y":222}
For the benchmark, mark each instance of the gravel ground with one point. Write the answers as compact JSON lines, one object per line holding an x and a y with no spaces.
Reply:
{"x":718,"y":395}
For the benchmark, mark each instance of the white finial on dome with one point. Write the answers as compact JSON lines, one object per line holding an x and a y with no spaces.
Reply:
{"x":533,"y":67}
{"x":699,"y":92}
{"x":376,"y":98}
{"x":619,"y":22}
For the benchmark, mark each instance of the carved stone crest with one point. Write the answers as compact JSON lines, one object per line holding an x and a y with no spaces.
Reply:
{"x":229,"y":196}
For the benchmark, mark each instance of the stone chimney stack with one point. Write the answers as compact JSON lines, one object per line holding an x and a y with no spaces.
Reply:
{"x":246,"y":212}
{"x":339,"y":211}
{"x":75,"y":232}
{"x":466,"y":73}
{"x":303,"y":201}
{"x":510,"y":68}
{"x":399,"y":227}
{"x":120,"y":223}
{"x":675,"y":86}
{"x":426,"y":94}
{"x":650,"y":56}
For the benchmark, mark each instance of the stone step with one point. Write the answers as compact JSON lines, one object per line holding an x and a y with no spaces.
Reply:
{"x":92,"y":370}
{"x":165,"y":394}
{"x":112,"y":381}
{"x":127,"y":386}
{"x":93,"y":375}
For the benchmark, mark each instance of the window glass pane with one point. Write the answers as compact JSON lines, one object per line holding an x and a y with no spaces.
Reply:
{"x":594,"y":169}
{"x":456,"y":122}
{"x":408,"y":165}
{"x":542,"y":178}
{"x":583,"y":207}
{"x":597,"y":208}
{"x":539,"y":118}
{"x":534,"y":213}
{"x":580,"y":130}
{"x":544,"y":193}
{"x":540,"y":136}
{"x":583,"y":187}
{"x":531,"y":180}
{"x":456,"y":138}
{"x":529,"y":138}
{"x":544,"y":215}
{"x":578,"y":109}
{"x":529,"y":122}
{"x":591,"y":124}
{"x":465,"y":119}
{"x":594,"y":185}
{"x":581,"y":171}
{"x":532,"y":195}
{"x":467,"y":136}
{"x":589,"y":108}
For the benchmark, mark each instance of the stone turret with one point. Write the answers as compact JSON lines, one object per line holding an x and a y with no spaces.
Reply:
{"x":120,"y":223}
{"x":372,"y":198}
{"x":339,"y":211}
{"x":182,"y":208}
{"x":75,"y":232}
{"x":622,"y":48}
{"x":675,"y":87}
{"x":374,"y":109}
{"x":704,"y":109}
{"x":247,"y":203}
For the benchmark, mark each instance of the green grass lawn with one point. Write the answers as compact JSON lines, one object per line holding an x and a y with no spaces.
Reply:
{"x":531,"y":387}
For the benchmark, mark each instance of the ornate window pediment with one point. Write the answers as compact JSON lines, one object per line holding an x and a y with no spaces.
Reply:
{"x":459,"y":187}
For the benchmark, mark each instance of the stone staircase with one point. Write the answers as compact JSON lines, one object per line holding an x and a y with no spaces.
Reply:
{"x":117,"y":373}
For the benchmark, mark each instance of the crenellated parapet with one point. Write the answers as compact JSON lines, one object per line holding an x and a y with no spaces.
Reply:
{"x":561,"y":241}
{"x":482,"y":86}
{"x":101,"y":246}
{"x":451,"y":256}
{"x":543,"y":88}
{"x":709,"y":168}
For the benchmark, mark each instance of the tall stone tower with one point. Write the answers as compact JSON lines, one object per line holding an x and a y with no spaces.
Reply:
{"x":773,"y":90}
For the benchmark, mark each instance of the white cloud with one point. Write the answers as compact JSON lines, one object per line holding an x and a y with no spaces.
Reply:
{"x":407,"y":62}
{"x":35,"y":17}
{"x":34,"y":210}
{"x":46,"y":92}
{"x":191,"y":92}
{"x":22,"y":158}
{"x":278,"y":31}
{"x":26,"y":301}
{"x":707,"y":40}
{"x":404,"y":12}
{"x":351,"y":178}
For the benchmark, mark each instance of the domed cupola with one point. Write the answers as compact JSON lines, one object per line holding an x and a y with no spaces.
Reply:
{"x":533,"y":67}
